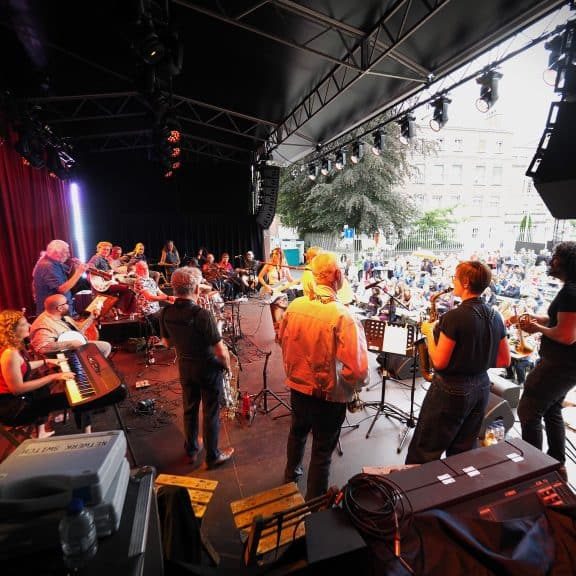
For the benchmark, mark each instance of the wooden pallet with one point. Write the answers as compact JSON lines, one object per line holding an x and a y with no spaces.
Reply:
{"x":200,"y":490}
{"x":265,"y":506}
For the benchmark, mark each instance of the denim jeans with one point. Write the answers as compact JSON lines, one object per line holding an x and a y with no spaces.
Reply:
{"x":324,"y":419}
{"x":450,"y":418}
{"x":543,"y":396}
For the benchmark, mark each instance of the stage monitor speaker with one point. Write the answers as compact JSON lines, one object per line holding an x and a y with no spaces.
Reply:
{"x":401,"y":367}
{"x":268,"y":195}
{"x":553,"y":168}
{"x":506,"y":389}
{"x":497,"y":408}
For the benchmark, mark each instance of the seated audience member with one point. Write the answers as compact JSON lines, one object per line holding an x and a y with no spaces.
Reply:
{"x":375,"y":302}
{"x":149,"y":296}
{"x":99,"y":262}
{"x":26,"y":396}
{"x":53,"y":275}
{"x":47,"y":329}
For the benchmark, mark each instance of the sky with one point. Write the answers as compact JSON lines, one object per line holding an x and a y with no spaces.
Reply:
{"x":524,"y":98}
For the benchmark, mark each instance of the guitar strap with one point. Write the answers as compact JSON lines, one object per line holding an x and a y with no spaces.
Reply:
{"x":70,"y":325}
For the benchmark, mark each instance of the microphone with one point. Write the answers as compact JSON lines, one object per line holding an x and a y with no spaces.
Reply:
{"x":238,"y":256}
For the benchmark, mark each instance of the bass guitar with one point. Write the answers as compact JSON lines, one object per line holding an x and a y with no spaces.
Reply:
{"x":101,"y":280}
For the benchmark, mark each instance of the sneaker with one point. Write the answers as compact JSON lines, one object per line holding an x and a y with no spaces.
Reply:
{"x":225,"y":455}
{"x":298,"y":472}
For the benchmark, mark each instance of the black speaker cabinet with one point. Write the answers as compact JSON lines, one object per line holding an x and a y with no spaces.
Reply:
{"x":497,"y":408}
{"x":506,"y":389}
{"x":402,"y":367}
{"x":553,"y":168}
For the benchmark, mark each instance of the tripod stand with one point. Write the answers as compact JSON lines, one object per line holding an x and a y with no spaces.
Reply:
{"x":388,"y":338}
{"x":262,"y":396}
{"x":149,"y":357}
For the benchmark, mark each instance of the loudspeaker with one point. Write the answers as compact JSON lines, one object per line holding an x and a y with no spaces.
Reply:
{"x":402,"y":367}
{"x":506,"y":389}
{"x":553,"y":168}
{"x":497,"y":408}
{"x":268,"y":195}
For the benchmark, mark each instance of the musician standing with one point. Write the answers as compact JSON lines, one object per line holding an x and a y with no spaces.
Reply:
{"x":202,"y":359}
{"x":49,"y":326}
{"x":52,"y":276}
{"x":470,"y":339}
{"x":555,"y":374}
{"x":326,"y":360}
{"x":126,"y":299}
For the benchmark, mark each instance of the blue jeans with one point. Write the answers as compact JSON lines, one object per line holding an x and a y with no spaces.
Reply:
{"x":324,"y":419}
{"x":450,"y":418}
{"x":543,"y":396}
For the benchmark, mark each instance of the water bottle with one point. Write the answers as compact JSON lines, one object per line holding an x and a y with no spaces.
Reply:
{"x":500,"y":430}
{"x":78,"y":536}
{"x":246,"y":406}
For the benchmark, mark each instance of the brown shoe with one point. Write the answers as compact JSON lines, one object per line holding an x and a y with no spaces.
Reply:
{"x":224,"y":456}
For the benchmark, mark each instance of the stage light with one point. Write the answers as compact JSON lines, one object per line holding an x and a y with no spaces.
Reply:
{"x":148,"y":44}
{"x":326,"y":167}
{"x":440,"y":116}
{"x":407,"y":128}
{"x":357,"y":152}
{"x":55,"y":165}
{"x":488,"y":90}
{"x":78,"y":221}
{"x":31,"y":148}
{"x":340,"y":160}
{"x":312,"y":171}
{"x":378,"y":138}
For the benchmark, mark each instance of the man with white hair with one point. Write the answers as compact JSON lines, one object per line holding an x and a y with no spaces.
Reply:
{"x":52,"y":275}
{"x":326,"y":363}
{"x":202,"y":359}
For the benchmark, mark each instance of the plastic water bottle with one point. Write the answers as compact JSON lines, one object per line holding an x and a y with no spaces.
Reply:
{"x":78,"y":536}
{"x":500,"y":430}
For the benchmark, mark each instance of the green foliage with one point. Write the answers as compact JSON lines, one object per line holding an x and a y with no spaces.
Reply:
{"x":433,"y":230}
{"x":364,"y":196}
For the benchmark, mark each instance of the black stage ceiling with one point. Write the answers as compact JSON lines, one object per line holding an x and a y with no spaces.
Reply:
{"x":256,"y":76}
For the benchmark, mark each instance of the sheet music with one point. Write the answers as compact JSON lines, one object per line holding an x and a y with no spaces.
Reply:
{"x":395,"y":339}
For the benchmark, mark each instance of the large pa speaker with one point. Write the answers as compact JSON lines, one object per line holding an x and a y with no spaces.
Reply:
{"x":268,"y":195}
{"x":553,"y":168}
{"x":497,"y":408}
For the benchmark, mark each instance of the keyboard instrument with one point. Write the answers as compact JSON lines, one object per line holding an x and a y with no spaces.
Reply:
{"x":96,"y":382}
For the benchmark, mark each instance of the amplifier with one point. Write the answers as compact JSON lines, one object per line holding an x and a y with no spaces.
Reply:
{"x":468,"y":475}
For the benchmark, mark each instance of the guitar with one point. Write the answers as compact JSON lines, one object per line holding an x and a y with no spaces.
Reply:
{"x":101,"y":280}
{"x":279,"y":290}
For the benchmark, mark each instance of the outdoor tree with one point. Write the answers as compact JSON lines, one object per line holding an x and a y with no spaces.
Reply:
{"x":366,"y":196}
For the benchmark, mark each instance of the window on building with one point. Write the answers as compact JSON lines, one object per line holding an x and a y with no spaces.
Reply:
{"x":497,"y":175}
{"x":480,"y":176}
{"x":456,"y":198}
{"x":440,"y":143}
{"x":437,"y":174}
{"x":419,"y":174}
{"x":436,"y":199}
{"x":456,"y":174}
{"x":499,"y":147}
{"x":477,"y":201}
{"x":458,"y":145}
{"x":481,"y":145}
{"x":474,"y":232}
{"x":494,"y":201}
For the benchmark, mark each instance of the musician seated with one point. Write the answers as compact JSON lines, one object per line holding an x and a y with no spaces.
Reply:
{"x":55,"y":331}
{"x":116,"y":260}
{"x":149,"y":296}
{"x":226,"y":272}
{"x":26,"y":395}
{"x":246,"y":278}
{"x":211,"y":272}
{"x":108,"y":284}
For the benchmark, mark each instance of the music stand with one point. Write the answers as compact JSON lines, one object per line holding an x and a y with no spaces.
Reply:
{"x":262,"y":396}
{"x":389,"y":339}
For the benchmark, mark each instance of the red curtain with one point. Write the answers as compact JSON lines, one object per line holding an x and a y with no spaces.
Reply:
{"x":34,"y":209}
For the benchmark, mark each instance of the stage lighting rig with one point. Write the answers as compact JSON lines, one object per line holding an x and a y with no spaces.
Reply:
{"x":340,"y":159}
{"x":312,"y":171}
{"x":378,"y":139}
{"x":488,"y":90}
{"x":407,"y":128}
{"x":440,"y":115}
{"x":357,"y":152}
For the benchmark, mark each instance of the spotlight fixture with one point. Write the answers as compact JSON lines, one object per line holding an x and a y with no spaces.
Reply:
{"x":440,"y":116}
{"x":357,"y":152}
{"x":488,"y":90}
{"x":326,"y":167}
{"x":148,"y":44}
{"x":312,"y":171}
{"x":407,"y":128}
{"x":340,"y":159}
{"x":378,"y":138}
{"x":168,"y":147}
{"x":32,"y":149}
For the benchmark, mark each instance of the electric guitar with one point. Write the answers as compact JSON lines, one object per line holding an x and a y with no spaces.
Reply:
{"x":279,"y":290}
{"x":101,"y":280}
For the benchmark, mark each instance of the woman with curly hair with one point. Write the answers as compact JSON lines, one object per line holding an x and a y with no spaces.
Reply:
{"x":555,"y":374}
{"x":25,"y":397}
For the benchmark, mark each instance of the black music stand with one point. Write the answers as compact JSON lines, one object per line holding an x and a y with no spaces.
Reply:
{"x":262,"y":396}
{"x":381,"y":337}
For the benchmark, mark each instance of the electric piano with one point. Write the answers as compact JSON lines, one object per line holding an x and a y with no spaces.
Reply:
{"x":96,"y":383}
